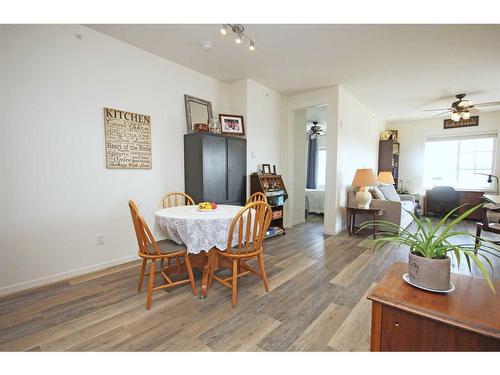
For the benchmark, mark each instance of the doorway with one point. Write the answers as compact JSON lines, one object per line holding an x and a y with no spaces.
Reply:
{"x":310,"y":158}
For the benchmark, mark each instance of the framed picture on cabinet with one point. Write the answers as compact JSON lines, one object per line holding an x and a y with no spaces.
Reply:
{"x":232,"y":124}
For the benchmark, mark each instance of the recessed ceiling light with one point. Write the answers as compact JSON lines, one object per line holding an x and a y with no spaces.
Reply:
{"x":206,"y":45}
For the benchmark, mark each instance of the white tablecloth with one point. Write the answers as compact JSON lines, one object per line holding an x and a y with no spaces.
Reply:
{"x":316,"y":199}
{"x":199,"y":231}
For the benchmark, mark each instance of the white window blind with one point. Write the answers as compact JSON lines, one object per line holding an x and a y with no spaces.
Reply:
{"x":460,"y":161}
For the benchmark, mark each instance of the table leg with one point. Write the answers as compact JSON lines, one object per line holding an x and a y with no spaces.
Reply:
{"x":204,"y":280}
{"x":349,"y":223}
{"x":353,"y":222}
{"x":200,"y":262}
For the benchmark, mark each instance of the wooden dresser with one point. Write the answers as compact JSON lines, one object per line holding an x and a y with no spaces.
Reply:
{"x":405,"y":318}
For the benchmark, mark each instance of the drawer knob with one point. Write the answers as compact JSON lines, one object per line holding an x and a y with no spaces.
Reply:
{"x":396,"y":324}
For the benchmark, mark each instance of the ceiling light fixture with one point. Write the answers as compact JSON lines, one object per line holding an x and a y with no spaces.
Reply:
{"x":466,"y":115}
{"x":239,"y":30}
{"x":455,"y":116}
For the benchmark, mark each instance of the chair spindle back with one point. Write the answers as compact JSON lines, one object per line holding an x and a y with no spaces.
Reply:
{"x":176,"y":199}
{"x":145,"y":238}
{"x":251,"y":224}
{"x":257,"y":197}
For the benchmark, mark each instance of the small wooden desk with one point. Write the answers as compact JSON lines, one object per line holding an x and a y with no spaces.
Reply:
{"x":351,"y":217}
{"x":491,"y":198}
{"x":405,"y":318}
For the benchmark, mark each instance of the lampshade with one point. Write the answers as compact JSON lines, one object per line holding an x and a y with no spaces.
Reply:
{"x":364,"y":177}
{"x":385,"y":177}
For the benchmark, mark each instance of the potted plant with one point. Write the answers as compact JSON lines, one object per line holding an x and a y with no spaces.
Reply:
{"x":431,"y":246}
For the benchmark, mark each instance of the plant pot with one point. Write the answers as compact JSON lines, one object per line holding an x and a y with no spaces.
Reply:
{"x":429,"y":273}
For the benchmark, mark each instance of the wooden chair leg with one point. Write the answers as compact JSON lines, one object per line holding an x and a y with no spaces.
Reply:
{"x":190,"y":273}
{"x":141,"y":277}
{"x":263,"y":271}
{"x":179,"y":269}
{"x":478,"y":236}
{"x":234,"y":297}
{"x":152,"y":270}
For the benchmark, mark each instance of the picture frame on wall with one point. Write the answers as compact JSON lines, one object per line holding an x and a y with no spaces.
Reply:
{"x":450,"y":124}
{"x":198,"y":113}
{"x":232,"y":124}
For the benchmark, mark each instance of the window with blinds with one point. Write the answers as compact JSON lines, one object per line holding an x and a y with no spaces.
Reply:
{"x":461,"y":162}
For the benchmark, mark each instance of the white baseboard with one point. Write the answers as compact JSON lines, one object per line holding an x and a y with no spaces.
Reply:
{"x":64,"y":275}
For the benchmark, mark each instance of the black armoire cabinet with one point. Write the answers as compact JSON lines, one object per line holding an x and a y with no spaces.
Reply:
{"x":215,"y":168}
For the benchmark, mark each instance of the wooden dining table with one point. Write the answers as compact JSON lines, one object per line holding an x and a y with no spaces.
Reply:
{"x":200,"y":231}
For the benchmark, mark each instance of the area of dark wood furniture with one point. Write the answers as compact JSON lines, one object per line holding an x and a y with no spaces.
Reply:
{"x":462,"y":197}
{"x":388,"y":158}
{"x":274,"y":189}
{"x":405,"y":318}
{"x":351,"y":217}
{"x":471,"y":198}
{"x":215,"y":168}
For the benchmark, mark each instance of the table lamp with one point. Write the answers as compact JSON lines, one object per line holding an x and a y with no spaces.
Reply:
{"x":386,"y":177}
{"x":363,"y":178}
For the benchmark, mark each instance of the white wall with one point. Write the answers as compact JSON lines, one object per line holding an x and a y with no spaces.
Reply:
{"x":262,"y":109}
{"x":412,"y":136}
{"x":266,"y":127}
{"x":56,"y":192}
{"x":299,"y":165}
{"x":358,"y":135}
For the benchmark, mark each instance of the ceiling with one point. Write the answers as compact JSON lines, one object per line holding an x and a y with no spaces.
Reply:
{"x":395,"y":70}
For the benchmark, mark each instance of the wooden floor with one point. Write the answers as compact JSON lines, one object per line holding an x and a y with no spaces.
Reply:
{"x":317,"y":302}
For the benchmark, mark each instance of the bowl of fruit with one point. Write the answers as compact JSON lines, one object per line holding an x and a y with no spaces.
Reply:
{"x":207,"y":206}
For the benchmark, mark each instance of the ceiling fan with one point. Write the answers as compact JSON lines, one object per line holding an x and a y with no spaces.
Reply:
{"x":316,"y":130}
{"x":462,"y":108}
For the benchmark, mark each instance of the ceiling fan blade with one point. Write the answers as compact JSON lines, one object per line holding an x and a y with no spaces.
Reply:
{"x":440,"y":114}
{"x":486,"y":104}
{"x":437,"y":109}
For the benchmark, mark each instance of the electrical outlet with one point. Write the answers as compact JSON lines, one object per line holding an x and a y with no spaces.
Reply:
{"x":100,"y":239}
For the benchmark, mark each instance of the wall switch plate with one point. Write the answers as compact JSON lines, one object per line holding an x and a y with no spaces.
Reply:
{"x":100,"y":239}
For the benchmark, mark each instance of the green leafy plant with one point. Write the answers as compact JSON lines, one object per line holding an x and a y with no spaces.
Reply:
{"x":432,"y":240}
{"x":403,"y":190}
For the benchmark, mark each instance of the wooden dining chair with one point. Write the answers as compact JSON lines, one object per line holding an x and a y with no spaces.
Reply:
{"x":250,"y":225}
{"x":487,"y":226}
{"x":152,"y":250}
{"x":176,"y":199}
{"x":257,"y":197}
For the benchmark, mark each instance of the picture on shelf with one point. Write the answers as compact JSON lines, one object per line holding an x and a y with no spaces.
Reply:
{"x":393,"y":135}
{"x":266,"y":168}
{"x":232,"y":124}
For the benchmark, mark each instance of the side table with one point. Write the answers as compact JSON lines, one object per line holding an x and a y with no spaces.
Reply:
{"x":351,"y":217}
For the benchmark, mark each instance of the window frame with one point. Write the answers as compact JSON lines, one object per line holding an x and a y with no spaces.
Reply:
{"x":463,"y":137}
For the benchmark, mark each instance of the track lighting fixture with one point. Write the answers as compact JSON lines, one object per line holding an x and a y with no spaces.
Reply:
{"x":239,"y":30}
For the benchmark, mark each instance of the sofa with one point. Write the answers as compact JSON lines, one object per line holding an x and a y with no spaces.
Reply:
{"x":394,"y":211}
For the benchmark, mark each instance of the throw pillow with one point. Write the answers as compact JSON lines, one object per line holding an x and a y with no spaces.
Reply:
{"x":377,"y":193}
{"x":390,"y":193}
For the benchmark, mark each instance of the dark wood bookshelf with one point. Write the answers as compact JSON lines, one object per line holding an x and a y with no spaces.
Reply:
{"x":388,"y":158}
{"x":274,"y":189}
